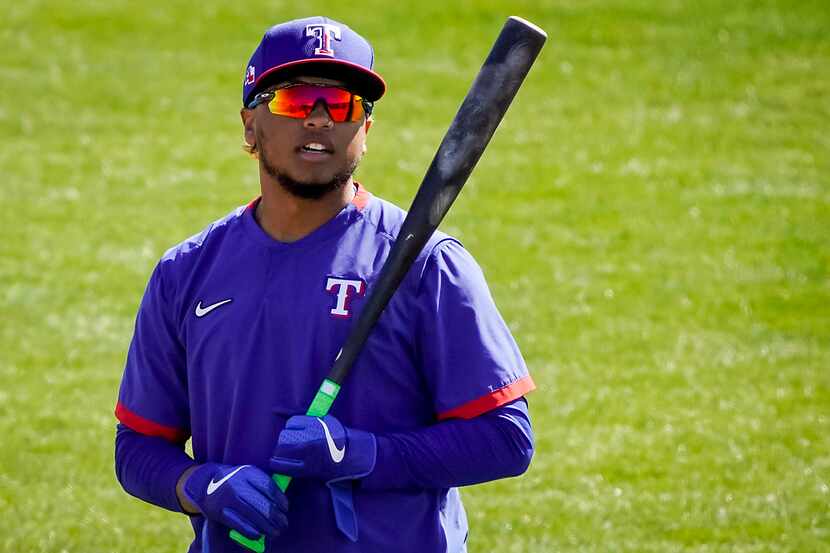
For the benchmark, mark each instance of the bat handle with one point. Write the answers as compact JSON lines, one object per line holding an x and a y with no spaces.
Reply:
{"x":258,"y":545}
{"x":319,"y":407}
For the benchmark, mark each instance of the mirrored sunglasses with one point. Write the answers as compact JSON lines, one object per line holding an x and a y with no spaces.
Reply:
{"x":298,"y":100}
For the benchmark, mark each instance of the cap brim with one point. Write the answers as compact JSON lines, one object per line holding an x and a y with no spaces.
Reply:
{"x":363,"y":81}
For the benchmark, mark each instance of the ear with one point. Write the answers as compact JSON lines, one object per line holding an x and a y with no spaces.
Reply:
{"x":248,"y":126}
{"x":368,"y":124}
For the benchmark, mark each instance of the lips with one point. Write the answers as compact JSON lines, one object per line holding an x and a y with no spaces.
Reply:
{"x":315,"y":146}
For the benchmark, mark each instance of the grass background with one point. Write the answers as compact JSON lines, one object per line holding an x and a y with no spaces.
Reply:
{"x":652,"y":216}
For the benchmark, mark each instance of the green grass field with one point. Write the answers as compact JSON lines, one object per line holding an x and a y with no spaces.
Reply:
{"x":653,"y":217}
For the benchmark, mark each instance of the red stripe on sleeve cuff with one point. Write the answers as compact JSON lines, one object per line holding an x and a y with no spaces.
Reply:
{"x":148,"y":427}
{"x":492,"y":400}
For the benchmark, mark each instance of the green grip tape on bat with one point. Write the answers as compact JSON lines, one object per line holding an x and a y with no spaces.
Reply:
{"x":319,"y":407}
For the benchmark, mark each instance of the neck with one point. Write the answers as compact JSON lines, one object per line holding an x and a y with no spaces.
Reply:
{"x":287,"y":218}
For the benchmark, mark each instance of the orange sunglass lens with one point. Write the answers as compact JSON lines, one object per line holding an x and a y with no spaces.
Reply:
{"x":299,"y":102}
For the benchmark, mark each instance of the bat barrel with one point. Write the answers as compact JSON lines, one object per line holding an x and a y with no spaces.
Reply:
{"x":491,"y":93}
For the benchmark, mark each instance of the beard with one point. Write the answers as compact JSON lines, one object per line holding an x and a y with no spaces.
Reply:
{"x":307,"y":190}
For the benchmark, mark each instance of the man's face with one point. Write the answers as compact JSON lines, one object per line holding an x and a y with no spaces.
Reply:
{"x":289,"y":149}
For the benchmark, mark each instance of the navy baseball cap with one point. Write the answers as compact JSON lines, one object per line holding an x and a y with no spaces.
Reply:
{"x":314,"y":46}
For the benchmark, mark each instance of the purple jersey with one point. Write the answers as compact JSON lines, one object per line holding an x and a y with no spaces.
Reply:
{"x":236,"y":331}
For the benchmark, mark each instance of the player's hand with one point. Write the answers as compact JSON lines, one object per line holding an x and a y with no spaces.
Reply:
{"x":324,"y":449}
{"x":242,"y":498}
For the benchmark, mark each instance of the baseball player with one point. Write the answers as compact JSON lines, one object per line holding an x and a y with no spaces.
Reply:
{"x":240,"y":323}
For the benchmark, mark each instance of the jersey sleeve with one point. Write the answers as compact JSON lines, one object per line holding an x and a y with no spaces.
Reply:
{"x":152,"y":399}
{"x":469,"y":357}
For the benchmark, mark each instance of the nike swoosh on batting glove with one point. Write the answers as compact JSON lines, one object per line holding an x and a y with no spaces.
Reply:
{"x":242,"y":498}
{"x":323,"y":449}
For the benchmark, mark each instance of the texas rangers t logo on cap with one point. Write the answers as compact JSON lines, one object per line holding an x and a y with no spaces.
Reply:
{"x":324,"y":32}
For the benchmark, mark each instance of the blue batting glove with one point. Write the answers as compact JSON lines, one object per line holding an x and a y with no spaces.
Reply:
{"x":242,"y":498}
{"x":323,"y":449}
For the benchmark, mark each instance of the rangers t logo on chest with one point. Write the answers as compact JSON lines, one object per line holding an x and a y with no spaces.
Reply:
{"x":345,"y":289}
{"x":324,"y":32}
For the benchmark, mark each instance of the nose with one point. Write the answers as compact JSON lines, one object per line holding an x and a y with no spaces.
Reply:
{"x":319,"y":117}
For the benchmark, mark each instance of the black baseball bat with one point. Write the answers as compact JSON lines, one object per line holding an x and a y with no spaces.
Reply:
{"x":491,"y":93}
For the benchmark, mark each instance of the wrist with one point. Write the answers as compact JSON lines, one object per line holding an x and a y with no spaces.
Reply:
{"x":389,"y":469}
{"x":187,"y":505}
{"x":366,"y":444}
